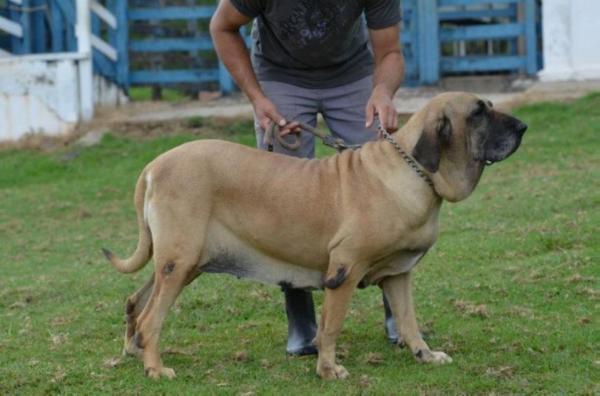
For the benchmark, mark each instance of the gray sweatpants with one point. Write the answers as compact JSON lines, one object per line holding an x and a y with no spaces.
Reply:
{"x":342,"y":108}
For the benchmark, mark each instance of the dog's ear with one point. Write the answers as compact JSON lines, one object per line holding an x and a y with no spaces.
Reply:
{"x":428,"y":150}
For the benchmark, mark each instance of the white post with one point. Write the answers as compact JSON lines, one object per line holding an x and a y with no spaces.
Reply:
{"x":83,"y":32}
{"x":557,"y":27}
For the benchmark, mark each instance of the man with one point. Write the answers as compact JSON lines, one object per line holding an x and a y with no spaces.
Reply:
{"x":310,"y":57}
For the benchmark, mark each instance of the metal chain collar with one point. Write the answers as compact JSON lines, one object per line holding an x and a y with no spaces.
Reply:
{"x":405,"y":156}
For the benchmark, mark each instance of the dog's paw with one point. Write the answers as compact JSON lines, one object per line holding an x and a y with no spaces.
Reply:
{"x":156,"y":373}
{"x":426,"y":356}
{"x":330,"y":372}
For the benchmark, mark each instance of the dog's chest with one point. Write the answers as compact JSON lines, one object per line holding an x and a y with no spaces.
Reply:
{"x":397,"y":263}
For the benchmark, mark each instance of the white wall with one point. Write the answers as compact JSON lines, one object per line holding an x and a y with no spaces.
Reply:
{"x":41,"y":94}
{"x":37,"y":95}
{"x":571,"y":34}
{"x":107,"y":93}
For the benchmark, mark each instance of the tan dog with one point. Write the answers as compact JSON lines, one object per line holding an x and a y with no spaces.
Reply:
{"x":361,"y":216}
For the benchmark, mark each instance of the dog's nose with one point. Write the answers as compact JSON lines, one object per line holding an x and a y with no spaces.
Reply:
{"x":521,"y":128}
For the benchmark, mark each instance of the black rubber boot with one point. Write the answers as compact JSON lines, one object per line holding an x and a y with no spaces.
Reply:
{"x":302,"y":326}
{"x":390,"y":323}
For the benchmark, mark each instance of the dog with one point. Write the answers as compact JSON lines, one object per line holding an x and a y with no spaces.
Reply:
{"x":359,"y":217}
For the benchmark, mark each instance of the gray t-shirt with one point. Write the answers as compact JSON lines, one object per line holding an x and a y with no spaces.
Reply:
{"x":315,"y":43}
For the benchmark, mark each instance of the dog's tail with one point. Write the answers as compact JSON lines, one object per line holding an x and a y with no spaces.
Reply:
{"x":143,"y":252}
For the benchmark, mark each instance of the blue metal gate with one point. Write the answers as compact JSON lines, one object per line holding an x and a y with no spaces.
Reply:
{"x":450,"y":37}
{"x":48,"y":26}
{"x":205,"y":67}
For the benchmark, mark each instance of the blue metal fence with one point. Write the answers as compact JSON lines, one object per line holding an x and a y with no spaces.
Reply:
{"x":109,"y":40}
{"x":44,"y":26}
{"x":214,"y":73}
{"x":48,"y":26}
{"x":507,"y":29}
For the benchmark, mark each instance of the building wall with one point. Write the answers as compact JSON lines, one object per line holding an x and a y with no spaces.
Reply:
{"x":570,"y":33}
{"x":37,"y":95}
{"x":41,"y":94}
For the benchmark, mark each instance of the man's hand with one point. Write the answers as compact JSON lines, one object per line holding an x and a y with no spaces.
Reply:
{"x":267,"y":113}
{"x":381,"y":104}
{"x":389,"y":72}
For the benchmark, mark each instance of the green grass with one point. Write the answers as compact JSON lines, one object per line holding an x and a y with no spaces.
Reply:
{"x":511,"y":290}
{"x":139,"y":94}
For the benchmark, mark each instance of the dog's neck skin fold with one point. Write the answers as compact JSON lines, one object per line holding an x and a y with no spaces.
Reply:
{"x":455,"y":181}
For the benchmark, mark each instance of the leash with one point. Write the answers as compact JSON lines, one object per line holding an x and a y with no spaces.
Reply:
{"x":340,"y":145}
{"x":327,"y":139}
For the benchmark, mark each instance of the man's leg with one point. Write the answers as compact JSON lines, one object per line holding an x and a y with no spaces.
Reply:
{"x":295,"y":104}
{"x":343,"y":109}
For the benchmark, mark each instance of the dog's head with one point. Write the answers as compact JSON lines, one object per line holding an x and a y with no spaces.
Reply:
{"x":461,"y":133}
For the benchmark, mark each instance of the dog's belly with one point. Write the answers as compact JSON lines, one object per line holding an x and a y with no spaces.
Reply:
{"x":225,"y":253}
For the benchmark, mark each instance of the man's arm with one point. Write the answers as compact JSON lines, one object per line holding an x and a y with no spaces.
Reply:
{"x":388,"y":75}
{"x":225,"y":31}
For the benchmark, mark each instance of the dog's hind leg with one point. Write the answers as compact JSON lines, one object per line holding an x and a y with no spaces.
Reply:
{"x":170,"y":277}
{"x":178,"y":242}
{"x":398,"y":292}
{"x":133,"y":308}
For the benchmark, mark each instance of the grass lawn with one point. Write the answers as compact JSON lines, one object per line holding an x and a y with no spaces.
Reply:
{"x":140,"y":94}
{"x":511,"y":290}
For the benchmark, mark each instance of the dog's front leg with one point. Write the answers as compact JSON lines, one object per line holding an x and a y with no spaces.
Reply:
{"x":398,"y":292}
{"x":335,"y":306}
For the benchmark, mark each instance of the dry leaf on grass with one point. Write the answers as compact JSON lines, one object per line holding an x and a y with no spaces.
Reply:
{"x":593,"y":294}
{"x":576,"y":278}
{"x":98,"y":376}
{"x":84,"y":214}
{"x":472,"y":309}
{"x":59,"y":375}
{"x":177,"y":351}
{"x":264,"y":363}
{"x":500,"y":372}
{"x":364,"y":381}
{"x":247,"y":325}
{"x":58,"y":339}
{"x":16,"y":305}
{"x":260,"y":294}
{"x":112,"y":362}
{"x":60,"y":320}
{"x":523,"y":312}
{"x":584,"y":321}
{"x":241,"y":356}
{"x":373,"y":358}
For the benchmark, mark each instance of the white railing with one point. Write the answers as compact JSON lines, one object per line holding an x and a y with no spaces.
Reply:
{"x":104,"y":14}
{"x":11,"y":27}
